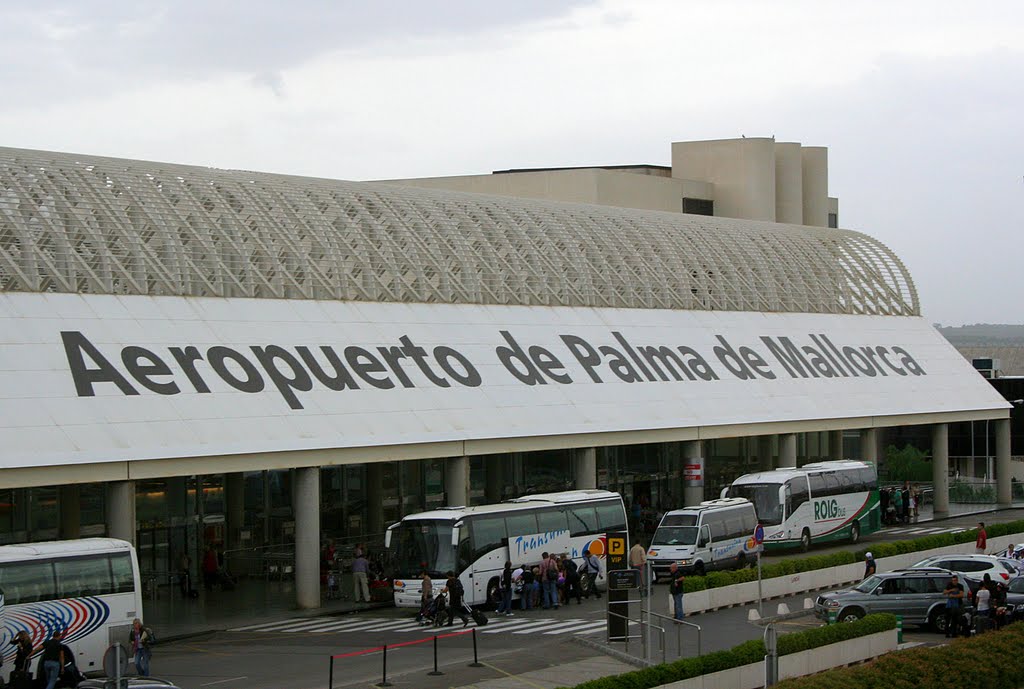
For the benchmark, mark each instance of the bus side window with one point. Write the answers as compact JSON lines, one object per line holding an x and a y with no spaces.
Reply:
{"x":552,"y":519}
{"x":28,"y":582}
{"x":488,"y":533}
{"x":522,"y":524}
{"x":611,"y":516}
{"x":818,"y":489}
{"x":796,"y":494}
{"x":582,"y":520}
{"x":867,"y":477}
{"x":464,"y":553}
{"x":85,"y":576}
{"x":832,"y":486}
{"x":121,"y":569}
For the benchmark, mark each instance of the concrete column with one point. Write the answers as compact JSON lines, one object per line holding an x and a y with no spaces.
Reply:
{"x":374,"y":498}
{"x":494,"y":478}
{"x":869,"y":445}
{"x":456,"y":481}
{"x":693,"y":488}
{"x":121,"y":510}
{"x":306,"y":509}
{"x":815,"y":185}
{"x":835,"y":445}
{"x":764,"y":452}
{"x":789,"y":189}
{"x":234,"y":508}
{"x":1004,"y":487}
{"x":940,"y":469}
{"x":69,"y":499}
{"x":585,"y":466}
{"x":787,"y":450}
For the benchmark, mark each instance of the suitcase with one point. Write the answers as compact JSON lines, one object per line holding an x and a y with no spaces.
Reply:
{"x":478,"y":617}
{"x":20,"y":680}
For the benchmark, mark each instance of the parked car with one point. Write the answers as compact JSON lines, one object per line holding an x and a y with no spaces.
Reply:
{"x":127,"y":683}
{"x":973,"y":568}
{"x":916,"y":594}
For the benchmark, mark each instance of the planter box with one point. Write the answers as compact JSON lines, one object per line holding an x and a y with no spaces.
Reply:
{"x":793,"y":584}
{"x":796,"y":664}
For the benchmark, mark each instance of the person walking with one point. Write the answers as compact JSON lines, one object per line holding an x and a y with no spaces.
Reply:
{"x":675,"y":588}
{"x":23,"y":654}
{"x":954,"y":593}
{"x":53,"y":659}
{"x":638,"y":560}
{"x":426,"y":595}
{"x":869,"y":565}
{"x":981,"y":541}
{"x":591,"y":567}
{"x":360,"y":584}
{"x":140,"y":640}
{"x":572,"y":580}
{"x":505,"y":589}
{"x":455,"y":592}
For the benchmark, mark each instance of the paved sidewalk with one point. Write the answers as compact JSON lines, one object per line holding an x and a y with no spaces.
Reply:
{"x":567,"y":675}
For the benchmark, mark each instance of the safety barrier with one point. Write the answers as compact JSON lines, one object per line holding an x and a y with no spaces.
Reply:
{"x":384,"y":655}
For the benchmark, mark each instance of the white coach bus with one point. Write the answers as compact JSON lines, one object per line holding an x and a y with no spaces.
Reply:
{"x":88,"y":589}
{"x":823,"y":501}
{"x":475,"y":542}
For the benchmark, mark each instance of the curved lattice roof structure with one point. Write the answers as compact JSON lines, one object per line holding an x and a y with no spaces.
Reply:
{"x":73,"y":223}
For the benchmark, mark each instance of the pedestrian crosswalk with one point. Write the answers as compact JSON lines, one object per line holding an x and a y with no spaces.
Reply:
{"x":498,"y":625}
{"x":924,"y":530}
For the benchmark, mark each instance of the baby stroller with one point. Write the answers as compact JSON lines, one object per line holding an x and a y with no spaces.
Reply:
{"x":333,"y":584}
{"x":436,"y":611}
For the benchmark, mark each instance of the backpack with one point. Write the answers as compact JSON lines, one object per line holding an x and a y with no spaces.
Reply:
{"x":150,"y":639}
{"x":570,"y":567}
{"x":552,"y":573}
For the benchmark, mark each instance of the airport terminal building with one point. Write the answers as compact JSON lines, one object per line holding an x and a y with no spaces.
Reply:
{"x":193,"y":356}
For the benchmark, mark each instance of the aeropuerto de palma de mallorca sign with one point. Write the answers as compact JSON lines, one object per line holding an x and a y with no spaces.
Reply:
{"x":96,"y":378}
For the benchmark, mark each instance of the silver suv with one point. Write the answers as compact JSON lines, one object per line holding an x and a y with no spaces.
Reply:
{"x":916,"y":594}
{"x":973,"y":567}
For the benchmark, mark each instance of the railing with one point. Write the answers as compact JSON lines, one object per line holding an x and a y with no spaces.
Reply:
{"x":643,"y":637}
{"x":383,"y":650}
{"x":679,"y":643}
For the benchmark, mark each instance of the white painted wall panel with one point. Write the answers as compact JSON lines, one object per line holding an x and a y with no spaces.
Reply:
{"x":43,"y":421}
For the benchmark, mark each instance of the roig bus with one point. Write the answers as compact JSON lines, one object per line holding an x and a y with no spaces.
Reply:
{"x":823,"y":501}
{"x":474,"y":542}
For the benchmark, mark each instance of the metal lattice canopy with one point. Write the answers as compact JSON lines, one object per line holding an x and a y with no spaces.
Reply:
{"x":72,"y":223}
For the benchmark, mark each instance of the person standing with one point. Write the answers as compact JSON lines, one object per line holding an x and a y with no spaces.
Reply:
{"x":140,"y":640}
{"x":210,"y":568}
{"x":360,"y":584}
{"x":549,"y":581}
{"x":954,"y":593}
{"x":983,"y":605}
{"x":455,"y":591}
{"x":675,"y":588}
{"x":869,"y":565}
{"x":981,"y":542}
{"x":426,"y":595}
{"x":53,"y":659}
{"x":592,"y":568}
{"x":638,"y":560}
{"x":24,"y":651}
{"x":505,"y":589}
{"x":906,"y":502}
{"x":572,"y":580}
{"x":529,"y":588}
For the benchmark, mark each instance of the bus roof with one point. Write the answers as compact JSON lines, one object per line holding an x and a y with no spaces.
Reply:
{"x":48,"y":549}
{"x":782,"y":473}
{"x":526,"y":502}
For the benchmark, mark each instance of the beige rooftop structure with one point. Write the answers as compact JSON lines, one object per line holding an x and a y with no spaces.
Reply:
{"x":747,"y":178}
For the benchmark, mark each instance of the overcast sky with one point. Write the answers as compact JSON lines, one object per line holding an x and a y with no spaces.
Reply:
{"x":919,"y":103}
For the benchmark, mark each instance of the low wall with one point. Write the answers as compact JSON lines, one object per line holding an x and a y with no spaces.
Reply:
{"x":796,"y":664}
{"x":794,"y":584}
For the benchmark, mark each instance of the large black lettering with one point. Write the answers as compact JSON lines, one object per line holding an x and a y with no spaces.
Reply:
{"x":187,"y":359}
{"x":341,"y":379}
{"x":789,"y":356}
{"x":286,"y":384}
{"x":393,"y":357}
{"x":217,"y":358}
{"x":517,"y":362}
{"x":364,"y":363}
{"x":662,"y":359}
{"x":75,"y":344}
{"x":585,"y":354}
{"x":468,"y":376}
{"x":419,"y":355}
{"x":143,"y":372}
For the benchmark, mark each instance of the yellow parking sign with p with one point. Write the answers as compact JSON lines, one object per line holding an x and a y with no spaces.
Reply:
{"x":616,"y":546}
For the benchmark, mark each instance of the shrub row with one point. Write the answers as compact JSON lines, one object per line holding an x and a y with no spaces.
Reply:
{"x":989,"y":661}
{"x":744,"y":654}
{"x":879,"y":550}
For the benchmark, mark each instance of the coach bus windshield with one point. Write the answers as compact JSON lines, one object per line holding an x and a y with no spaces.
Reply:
{"x":765,"y":497}
{"x":422,"y":544}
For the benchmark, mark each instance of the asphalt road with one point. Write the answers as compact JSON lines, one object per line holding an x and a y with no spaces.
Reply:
{"x":295,"y":654}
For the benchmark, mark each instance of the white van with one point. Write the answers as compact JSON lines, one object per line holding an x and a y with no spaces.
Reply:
{"x":711,"y":535}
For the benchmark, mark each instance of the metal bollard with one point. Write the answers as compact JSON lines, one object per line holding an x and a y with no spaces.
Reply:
{"x":384,"y":678}
{"x":476,"y":662}
{"x":330,"y":675}
{"x":436,"y":671}
{"x":833,"y":616}
{"x":899,"y":629}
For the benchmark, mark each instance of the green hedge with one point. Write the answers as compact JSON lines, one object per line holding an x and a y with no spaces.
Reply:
{"x":744,"y":654}
{"x":989,"y":661}
{"x":879,"y":550}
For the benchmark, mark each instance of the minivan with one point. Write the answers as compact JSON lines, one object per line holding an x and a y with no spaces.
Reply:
{"x":715,"y":534}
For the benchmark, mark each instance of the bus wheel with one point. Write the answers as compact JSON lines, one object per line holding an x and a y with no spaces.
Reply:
{"x":741,"y":561}
{"x":805,"y":540}
{"x":855,"y":533}
{"x":493,"y":593}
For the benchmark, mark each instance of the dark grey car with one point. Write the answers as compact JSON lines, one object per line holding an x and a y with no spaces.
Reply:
{"x":915,"y":594}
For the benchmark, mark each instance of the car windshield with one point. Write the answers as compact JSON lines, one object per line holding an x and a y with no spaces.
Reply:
{"x":868,"y":585}
{"x":765,"y":497}
{"x":1016,"y":585}
{"x":422,"y":544}
{"x":675,"y":535}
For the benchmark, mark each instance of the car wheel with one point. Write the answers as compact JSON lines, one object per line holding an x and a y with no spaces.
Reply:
{"x":805,"y":540}
{"x":855,"y":533}
{"x":699,"y":569}
{"x":741,"y":561}
{"x":937,"y":621}
{"x":851,"y":615}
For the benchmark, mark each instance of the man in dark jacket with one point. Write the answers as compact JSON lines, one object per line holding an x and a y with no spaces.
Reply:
{"x":455,"y":592}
